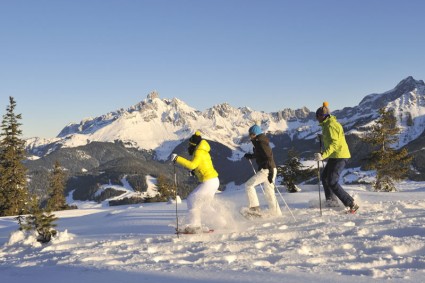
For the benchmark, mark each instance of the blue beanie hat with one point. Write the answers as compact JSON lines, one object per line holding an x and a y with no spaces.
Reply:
{"x":256,"y":130}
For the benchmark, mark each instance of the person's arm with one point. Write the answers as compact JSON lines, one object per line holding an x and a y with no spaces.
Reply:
{"x":333,"y":134}
{"x":189,"y":164}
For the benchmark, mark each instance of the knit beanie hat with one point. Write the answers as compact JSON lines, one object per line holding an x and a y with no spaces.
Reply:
{"x":195,"y":139}
{"x":256,"y":130}
{"x":324,"y":110}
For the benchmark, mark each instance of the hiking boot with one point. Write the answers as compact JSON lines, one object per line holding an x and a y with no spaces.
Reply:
{"x":353,"y":208}
{"x":295,"y":189}
{"x":255,"y":209}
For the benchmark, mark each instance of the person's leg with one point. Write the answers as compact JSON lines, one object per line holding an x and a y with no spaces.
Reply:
{"x":251,"y":193}
{"x":326,"y":176}
{"x":334,"y":174}
{"x":193,"y":217}
{"x":202,"y":195}
{"x":209,"y":213}
{"x":270,"y":194}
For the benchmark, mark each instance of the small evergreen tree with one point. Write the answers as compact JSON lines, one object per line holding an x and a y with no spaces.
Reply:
{"x":56,"y":199}
{"x":165,"y":189}
{"x":293,"y":171}
{"x":39,"y":221}
{"x":391,"y":165}
{"x":137,"y":182}
{"x":21,"y":221}
{"x":409,"y":121}
{"x":13,"y":179}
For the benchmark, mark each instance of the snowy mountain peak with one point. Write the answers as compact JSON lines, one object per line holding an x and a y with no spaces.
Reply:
{"x":377,"y":101}
{"x":146,"y":110}
{"x":409,"y":83}
{"x":223,"y":110}
{"x":154,"y":94}
{"x":290,"y":114}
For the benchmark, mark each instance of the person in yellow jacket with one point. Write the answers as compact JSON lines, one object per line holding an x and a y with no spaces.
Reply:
{"x":200,"y":200}
{"x":337,"y":152}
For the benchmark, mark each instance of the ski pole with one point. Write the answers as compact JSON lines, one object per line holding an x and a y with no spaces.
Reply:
{"x":318,"y":177}
{"x":318,"y":174}
{"x":175,"y":197}
{"x":286,"y":204}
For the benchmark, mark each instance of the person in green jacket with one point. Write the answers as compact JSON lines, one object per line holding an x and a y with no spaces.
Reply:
{"x":200,"y":200}
{"x":337,"y":152}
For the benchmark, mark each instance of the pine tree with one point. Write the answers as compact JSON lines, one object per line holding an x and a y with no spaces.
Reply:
{"x":13,"y":179}
{"x":39,"y":221}
{"x":293,"y":171}
{"x":165,"y":189}
{"x":56,"y":200}
{"x":409,"y":121}
{"x":391,"y":165}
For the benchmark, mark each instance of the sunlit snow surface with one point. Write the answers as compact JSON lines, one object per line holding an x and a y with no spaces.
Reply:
{"x":384,"y":241}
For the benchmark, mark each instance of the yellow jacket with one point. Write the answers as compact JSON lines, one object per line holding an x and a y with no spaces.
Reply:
{"x":201,"y":162}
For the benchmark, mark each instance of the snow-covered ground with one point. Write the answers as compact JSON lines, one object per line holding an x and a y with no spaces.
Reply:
{"x":384,"y":241}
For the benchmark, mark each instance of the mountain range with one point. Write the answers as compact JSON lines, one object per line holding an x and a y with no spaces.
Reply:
{"x":136,"y":142}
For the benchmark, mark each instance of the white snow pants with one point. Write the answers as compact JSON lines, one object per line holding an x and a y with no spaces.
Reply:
{"x":200,"y":202}
{"x":261,"y":177}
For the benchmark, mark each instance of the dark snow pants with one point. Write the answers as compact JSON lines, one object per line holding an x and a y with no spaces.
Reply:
{"x":330,"y":178}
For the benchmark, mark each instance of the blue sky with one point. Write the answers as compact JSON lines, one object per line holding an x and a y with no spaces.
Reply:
{"x":63,"y":61}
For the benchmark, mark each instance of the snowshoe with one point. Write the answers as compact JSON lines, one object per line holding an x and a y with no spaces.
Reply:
{"x":295,"y":189}
{"x":352,"y":209}
{"x":194,"y":230}
{"x":251,"y":212}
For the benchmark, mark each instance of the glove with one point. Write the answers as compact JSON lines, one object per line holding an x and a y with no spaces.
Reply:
{"x":270,"y":176}
{"x":271,"y":172}
{"x":249,"y":156}
{"x":318,"y":157}
{"x":173,"y":157}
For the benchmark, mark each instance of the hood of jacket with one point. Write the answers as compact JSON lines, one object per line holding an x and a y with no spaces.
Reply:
{"x":204,"y":145}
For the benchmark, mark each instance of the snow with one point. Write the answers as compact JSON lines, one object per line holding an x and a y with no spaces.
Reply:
{"x":383,"y":242}
{"x":125,"y":188}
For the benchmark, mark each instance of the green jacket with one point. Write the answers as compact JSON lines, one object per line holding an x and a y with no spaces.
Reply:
{"x":334,"y":139}
{"x":201,"y":162}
